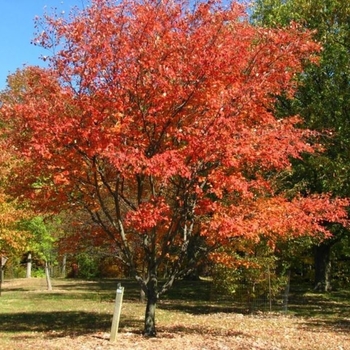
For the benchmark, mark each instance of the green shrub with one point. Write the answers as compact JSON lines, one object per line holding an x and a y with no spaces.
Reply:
{"x":87,"y":266}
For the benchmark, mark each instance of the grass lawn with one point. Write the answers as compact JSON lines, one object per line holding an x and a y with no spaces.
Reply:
{"x":77,"y":315}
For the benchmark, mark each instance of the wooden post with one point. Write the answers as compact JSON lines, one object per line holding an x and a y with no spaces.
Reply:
{"x":116,"y":314}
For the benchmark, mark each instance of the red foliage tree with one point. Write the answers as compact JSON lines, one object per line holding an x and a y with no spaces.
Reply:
{"x":157,"y":118}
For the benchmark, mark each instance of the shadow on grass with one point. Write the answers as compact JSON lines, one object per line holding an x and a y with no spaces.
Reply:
{"x":70,"y":321}
{"x":331,"y":306}
{"x":336,"y":325}
{"x":329,"y":310}
{"x":105,"y":287}
{"x":199,"y":308}
{"x":61,"y":323}
{"x":10,"y":290}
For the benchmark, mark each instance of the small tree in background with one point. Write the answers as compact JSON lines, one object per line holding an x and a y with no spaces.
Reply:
{"x":252,"y":274}
{"x":41,"y":245}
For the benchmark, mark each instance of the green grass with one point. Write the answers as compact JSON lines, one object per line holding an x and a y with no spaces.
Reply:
{"x":33,"y":309}
{"x":331,"y":309}
{"x":77,"y":307}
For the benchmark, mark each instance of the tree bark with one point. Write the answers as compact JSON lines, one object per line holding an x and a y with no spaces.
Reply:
{"x":150,"y":324}
{"x":322,"y":256}
{"x":152,"y":298}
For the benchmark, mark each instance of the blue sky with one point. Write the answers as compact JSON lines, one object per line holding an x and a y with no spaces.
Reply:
{"x":17,"y":30}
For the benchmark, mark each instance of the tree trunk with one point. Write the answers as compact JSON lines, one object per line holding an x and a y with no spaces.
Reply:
{"x":1,"y":274}
{"x":64,"y":264}
{"x":2,"y":270}
{"x":150,"y":324}
{"x":29,"y":265}
{"x":152,"y":297}
{"x":47,"y":274}
{"x":323,"y":267}
{"x":142,"y":295}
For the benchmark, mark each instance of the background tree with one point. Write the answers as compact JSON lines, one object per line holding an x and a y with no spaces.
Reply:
{"x":322,"y":100}
{"x":41,"y":244}
{"x":157,"y":119}
{"x":13,"y":240}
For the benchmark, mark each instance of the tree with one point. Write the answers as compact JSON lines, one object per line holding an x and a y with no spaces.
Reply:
{"x":322,"y":100}
{"x":12,"y":239}
{"x":157,"y":118}
{"x":41,"y":243}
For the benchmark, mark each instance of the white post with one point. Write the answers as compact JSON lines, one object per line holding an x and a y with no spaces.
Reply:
{"x":29,"y":265}
{"x":116,"y":314}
